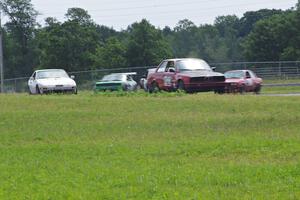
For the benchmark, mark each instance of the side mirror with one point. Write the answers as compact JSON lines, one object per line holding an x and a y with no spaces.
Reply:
{"x":72,"y":77}
{"x":31,"y":78}
{"x":214,"y":68}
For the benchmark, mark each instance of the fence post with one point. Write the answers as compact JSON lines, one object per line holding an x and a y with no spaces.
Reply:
{"x":15,"y":85}
{"x":279,"y":70}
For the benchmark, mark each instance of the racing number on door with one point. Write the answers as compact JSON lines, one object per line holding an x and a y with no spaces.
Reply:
{"x":167,"y":81}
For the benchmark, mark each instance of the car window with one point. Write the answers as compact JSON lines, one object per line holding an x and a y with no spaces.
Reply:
{"x":51,"y":74}
{"x":129,"y":78}
{"x":234,"y":74}
{"x":253,"y":74}
{"x":34,"y":75}
{"x":170,"y":65}
{"x":248,"y":75}
{"x":162,"y":67}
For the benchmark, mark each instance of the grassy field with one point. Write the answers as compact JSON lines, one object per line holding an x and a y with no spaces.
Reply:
{"x":165,"y":146}
{"x":281,"y":90}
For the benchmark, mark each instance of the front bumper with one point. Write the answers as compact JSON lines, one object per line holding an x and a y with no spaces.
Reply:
{"x":206,"y":87}
{"x":108,"y":88}
{"x":58,"y":89}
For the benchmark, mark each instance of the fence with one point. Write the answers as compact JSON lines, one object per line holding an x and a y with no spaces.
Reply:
{"x":86,"y":79}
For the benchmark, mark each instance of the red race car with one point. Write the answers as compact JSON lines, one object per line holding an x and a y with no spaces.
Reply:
{"x":188,"y":74}
{"x":243,"y":81}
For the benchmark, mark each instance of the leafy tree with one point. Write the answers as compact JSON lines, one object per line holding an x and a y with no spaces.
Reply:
{"x":273,"y":38}
{"x":20,"y":49}
{"x":146,"y":45}
{"x":228,"y":30}
{"x":249,"y":19}
{"x":111,"y":55}
{"x":69,"y":45}
{"x":184,"y":38}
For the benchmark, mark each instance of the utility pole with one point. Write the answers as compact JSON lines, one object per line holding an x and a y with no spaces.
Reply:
{"x":1,"y":59}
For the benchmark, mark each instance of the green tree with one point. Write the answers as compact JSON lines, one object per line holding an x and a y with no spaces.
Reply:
{"x":184,"y":39}
{"x":20,"y":50}
{"x":275,"y":38}
{"x":111,"y":55}
{"x":249,"y":19}
{"x":69,"y":45}
{"x":146,"y":45}
{"x":228,"y":30}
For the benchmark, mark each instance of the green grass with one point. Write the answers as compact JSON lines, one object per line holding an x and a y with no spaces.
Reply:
{"x":140,"y":146}
{"x":276,"y":81}
{"x":281,"y":90}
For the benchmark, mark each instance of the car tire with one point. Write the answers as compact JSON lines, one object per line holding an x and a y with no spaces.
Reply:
{"x":154,"y":88}
{"x":242,"y":90}
{"x":75,"y":91}
{"x":257,"y":90}
{"x":38,"y":91}
{"x":29,"y":92}
{"x":180,"y":86}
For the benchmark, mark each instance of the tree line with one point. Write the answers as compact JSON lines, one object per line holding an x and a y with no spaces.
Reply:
{"x":78,"y":43}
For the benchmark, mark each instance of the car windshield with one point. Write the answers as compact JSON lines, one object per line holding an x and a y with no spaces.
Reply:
{"x":192,"y":65}
{"x":236,"y":74}
{"x":113,"y":77}
{"x":52,"y":74}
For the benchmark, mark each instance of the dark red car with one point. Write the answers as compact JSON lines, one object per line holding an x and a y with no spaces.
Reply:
{"x":243,"y":81}
{"x":191,"y":75}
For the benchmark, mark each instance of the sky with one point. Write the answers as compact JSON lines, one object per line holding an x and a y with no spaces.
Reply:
{"x":121,"y":13}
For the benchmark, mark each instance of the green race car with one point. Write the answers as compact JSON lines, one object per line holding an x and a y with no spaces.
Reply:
{"x":117,"y":82}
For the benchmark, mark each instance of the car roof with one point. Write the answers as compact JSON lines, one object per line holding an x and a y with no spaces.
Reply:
{"x":242,"y":70}
{"x":130,"y":73}
{"x":45,"y":70}
{"x":178,"y":59}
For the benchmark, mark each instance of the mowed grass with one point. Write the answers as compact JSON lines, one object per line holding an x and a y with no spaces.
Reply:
{"x":281,"y":90}
{"x":202,"y":146}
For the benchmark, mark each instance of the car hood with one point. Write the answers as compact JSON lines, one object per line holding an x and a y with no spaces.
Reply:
{"x":56,"y":81}
{"x":200,"y":74}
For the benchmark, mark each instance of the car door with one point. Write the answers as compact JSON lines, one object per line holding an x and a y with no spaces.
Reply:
{"x":249,"y":81}
{"x":159,"y":75}
{"x":32,"y":83}
{"x":131,"y":83}
{"x":169,"y":76}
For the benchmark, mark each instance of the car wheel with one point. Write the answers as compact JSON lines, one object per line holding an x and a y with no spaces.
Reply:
{"x":257,"y":90}
{"x":220,"y":91}
{"x":75,"y":91}
{"x":29,"y":92}
{"x":242,"y":90}
{"x":38,"y":91}
{"x":154,"y":88}
{"x":180,"y":86}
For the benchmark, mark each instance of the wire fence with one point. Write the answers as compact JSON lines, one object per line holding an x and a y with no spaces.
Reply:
{"x":86,"y":79}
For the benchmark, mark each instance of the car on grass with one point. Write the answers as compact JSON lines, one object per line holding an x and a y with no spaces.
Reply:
{"x":243,"y":81}
{"x":117,"y":82}
{"x":51,"y":81}
{"x":187,"y":74}
{"x":143,"y":80}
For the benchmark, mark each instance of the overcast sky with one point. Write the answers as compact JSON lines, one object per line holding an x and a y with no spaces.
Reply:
{"x":121,"y":13}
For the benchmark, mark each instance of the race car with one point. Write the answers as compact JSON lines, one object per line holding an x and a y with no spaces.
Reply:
{"x":117,"y":82}
{"x":51,"y":80}
{"x":243,"y":81}
{"x":186,"y":74}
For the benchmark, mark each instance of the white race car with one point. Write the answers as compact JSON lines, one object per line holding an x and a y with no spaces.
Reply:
{"x":51,"y":80}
